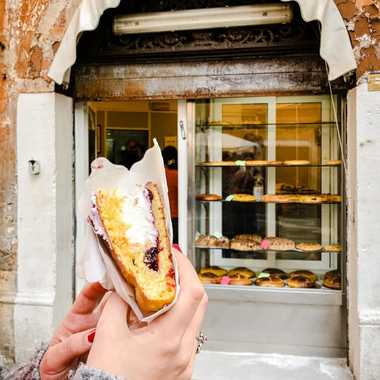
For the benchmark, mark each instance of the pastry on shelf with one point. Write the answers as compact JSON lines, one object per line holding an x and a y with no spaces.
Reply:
{"x":263,"y":163}
{"x":332,"y":280}
{"x":212,"y":241}
{"x":275,"y":272}
{"x":278,"y":244}
{"x":300,"y":281}
{"x":270,"y":282}
{"x":220,"y":272}
{"x":209,"y":278}
{"x":240,"y":280}
{"x":208,"y":197}
{"x":309,"y":247}
{"x":296,"y":162}
{"x":241,"y":198}
{"x":300,"y":198}
{"x":244,"y":245}
{"x":306,"y":273}
{"x":334,"y":248}
{"x":249,"y":237}
{"x":241,"y":272}
{"x":333,"y":162}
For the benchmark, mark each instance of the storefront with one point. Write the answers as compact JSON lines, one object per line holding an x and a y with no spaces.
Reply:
{"x":265,"y":151}
{"x":261,"y":150}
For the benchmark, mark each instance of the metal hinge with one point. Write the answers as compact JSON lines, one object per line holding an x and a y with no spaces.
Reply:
{"x":182,"y":129}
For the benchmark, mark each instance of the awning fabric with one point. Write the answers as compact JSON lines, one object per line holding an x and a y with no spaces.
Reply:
{"x":335,"y":49}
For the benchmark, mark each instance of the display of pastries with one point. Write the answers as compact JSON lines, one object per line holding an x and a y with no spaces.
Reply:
{"x":270,"y":282}
{"x":332,"y":248}
{"x":278,"y":244}
{"x":241,"y":198}
{"x":332,"y":280}
{"x":300,"y":281}
{"x":309,"y":247}
{"x":306,"y":273}
{"x":296,"y":162}
{"x":212,"y":241}
{"x":268,"y":278}
{"x":244,"y":245}
{"x":208,"y":197}
{"x":241,"y":272}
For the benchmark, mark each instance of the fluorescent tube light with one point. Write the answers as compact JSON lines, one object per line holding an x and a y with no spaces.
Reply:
{"x":207,"y":18}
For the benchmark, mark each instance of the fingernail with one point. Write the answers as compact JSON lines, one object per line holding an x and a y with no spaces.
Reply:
{"x":91,"y":337}
{"x":177,"y":247}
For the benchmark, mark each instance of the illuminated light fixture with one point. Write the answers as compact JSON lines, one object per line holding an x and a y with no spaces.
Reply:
{"x":207,"y":18}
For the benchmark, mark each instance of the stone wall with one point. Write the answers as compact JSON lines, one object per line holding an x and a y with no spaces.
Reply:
{"x":30,"y":32}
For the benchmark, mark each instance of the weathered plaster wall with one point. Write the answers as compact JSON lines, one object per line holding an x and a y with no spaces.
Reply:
{"x":363,"y":23}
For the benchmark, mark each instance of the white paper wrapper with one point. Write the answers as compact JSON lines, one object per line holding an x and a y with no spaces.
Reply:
{"x":95,"y":263}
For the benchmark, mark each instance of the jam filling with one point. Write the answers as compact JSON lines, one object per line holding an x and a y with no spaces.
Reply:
{"x":151,"y":258}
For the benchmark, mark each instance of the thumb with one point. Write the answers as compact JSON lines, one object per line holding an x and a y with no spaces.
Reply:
{"x":60,"y":357}
{"x":114,"y":315}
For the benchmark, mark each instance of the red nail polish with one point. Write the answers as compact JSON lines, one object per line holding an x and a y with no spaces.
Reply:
{"x":91,"y":337}
{"x":177,"y":247}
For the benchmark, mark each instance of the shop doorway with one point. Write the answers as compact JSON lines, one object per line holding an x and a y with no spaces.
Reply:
{"x":123,"y":131}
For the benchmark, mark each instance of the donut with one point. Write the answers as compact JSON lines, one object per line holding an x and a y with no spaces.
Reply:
{"x":270,"y":282}
{"x":310,"y":275}
{"x":300,"y":282}
{"x":241,"y":272}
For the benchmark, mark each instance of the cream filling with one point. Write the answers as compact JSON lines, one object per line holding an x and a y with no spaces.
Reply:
{"x":137,"y":215}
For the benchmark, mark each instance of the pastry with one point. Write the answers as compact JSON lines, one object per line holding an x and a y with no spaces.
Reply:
{"x":241,"y":198}
{"x":263,"y":163}
{"x":306,"y":199}
{"x":208,"y":197}
{"x":220,"y":272}
{"x":306,"y":273}
{"x":209,"y":278}
{"x":300,"y":282}
{"x":241,"y":281}
{"x":270,"y":282}
{"x":332,"y":248}
{"x":278,"y":244}
{"x":296,"y":162}
{"x":308,"y":247}
{"x":332,"y":280}
{"x":274,"y":272}
{"x":132,"y":229}
{"x":333,"y":162}
{"x":244,"y":245}
{"x":249,"y":237}
{"x":212,"y":241}
{"x":202,"y":241}
{"x":241,"y":272}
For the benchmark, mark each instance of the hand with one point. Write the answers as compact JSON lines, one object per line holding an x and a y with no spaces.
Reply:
{"x":164,"y":349}
{"x":75,"y":334}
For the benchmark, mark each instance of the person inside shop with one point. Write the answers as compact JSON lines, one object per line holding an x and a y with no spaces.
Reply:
{"x":132,"y":153}
{"x":100,"y":338}
{"x":170,"y":157}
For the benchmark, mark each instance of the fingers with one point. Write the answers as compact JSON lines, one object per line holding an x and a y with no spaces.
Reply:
{"x":88,"y":298}
{"x":59,"y":357}
{"x":191,"y":294}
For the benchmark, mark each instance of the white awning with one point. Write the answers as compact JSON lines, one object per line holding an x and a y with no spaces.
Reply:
{"x":335,"y":49}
